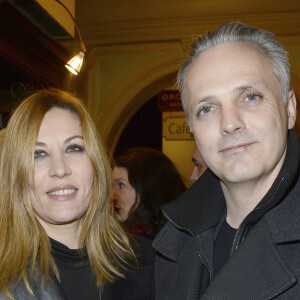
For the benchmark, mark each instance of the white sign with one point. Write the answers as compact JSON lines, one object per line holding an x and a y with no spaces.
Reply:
{"x":176,"y":129}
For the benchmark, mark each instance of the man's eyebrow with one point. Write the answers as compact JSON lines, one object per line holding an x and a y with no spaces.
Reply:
{"x":242,"y":88}
{"x":238,"y":89}
{"x":41,"y":144}
{"x":200,"y":100}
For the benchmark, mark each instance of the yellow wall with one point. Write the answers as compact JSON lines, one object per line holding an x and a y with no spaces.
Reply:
{"x":59,"y":13}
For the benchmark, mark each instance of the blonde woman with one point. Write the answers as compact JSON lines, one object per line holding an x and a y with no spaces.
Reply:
{"x":59,"y":236}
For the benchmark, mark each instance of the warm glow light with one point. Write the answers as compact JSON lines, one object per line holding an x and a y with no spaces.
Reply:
{"x":74,"y":64}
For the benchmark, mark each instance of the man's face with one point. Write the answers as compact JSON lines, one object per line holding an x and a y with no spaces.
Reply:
{"x":237,"y":114}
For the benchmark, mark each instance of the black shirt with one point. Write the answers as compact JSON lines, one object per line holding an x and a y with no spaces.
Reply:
{"x":76,"y":278}
{"x":222,"y":246}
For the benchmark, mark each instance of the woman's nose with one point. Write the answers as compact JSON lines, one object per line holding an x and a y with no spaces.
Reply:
{"x":59,"y":166}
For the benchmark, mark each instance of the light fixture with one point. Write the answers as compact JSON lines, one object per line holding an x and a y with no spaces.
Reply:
{"x":75,"y":63}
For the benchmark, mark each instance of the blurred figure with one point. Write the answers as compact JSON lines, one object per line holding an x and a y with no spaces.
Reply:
{"x":144,"y":180}
{"x":200,"y":165}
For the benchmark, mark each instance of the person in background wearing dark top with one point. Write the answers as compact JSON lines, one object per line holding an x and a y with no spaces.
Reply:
{"x":144,"y":179}
{"x":235,"y":234}
{"x":60,"y":238}
{"x":200,"y":165}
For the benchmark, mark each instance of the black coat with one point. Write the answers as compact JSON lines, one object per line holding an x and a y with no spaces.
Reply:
{"x":265,"y":258}
{"x":137,"y":285}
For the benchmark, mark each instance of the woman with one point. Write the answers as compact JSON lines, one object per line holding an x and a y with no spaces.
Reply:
{"x":144,"y":180}
{"x":59,"y":237}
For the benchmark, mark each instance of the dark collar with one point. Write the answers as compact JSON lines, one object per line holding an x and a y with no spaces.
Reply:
{"x":201,"y":206}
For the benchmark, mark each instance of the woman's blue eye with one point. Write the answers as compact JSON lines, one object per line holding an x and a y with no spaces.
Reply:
{"x":75,"y":148}
{"x":40,"y":153}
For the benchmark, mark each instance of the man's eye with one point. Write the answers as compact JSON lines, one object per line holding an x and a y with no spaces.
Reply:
{"x":252,"y":97}
{"x":205,"y":110}
{"x":40,"y":153}
{"x":75,"y":148}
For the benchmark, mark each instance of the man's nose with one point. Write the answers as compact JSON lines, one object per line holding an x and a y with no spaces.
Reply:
{"x":231,"y":120}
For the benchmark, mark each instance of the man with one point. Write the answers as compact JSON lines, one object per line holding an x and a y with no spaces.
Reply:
{"x":235,"y":234}
{"x":200,"y":165}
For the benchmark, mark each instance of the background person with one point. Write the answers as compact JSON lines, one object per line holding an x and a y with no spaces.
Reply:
{"x":200,"y":165}
{"x":59,"y":236}
{"x":144,"y":179}
{"x":235,"y":234}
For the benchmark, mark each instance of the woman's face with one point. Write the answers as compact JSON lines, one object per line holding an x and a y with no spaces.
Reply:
{"x":124,"y":193}
{"x":61,"y":185}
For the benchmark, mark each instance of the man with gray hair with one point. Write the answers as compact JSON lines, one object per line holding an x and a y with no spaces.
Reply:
{"x":235,"y":234}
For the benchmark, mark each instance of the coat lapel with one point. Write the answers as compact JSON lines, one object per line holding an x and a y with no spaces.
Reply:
{"x":256,"y":261}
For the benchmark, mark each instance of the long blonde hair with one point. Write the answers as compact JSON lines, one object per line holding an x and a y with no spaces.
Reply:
{"x":24,"y":245}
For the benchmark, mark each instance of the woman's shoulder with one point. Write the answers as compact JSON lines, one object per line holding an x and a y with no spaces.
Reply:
{"x":40,"y":289}
{"x":138,"y":280}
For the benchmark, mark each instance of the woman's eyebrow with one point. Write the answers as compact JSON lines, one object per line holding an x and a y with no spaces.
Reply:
{"x":41,"y":144}
{"x":72,"y":138}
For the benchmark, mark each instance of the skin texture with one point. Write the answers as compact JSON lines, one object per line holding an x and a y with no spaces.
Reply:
{"x":200,"y":165}
{"x":61,"y":163}
{"x":124,"y":194}
{"x":239,"y":122}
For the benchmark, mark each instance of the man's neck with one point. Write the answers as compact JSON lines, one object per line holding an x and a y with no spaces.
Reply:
{"x":242,"y":198}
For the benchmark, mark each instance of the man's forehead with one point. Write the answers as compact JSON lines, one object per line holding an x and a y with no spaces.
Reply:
{"x":231,"y":56}
{"x":241,"y":67}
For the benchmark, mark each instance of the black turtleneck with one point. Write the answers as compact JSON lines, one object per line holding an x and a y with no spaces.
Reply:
{"x":76,"y":278}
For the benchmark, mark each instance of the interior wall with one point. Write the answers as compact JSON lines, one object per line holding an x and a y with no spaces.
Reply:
{"x":122,"y":79}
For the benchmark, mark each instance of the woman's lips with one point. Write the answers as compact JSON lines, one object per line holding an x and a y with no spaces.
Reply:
{"x":62,"y":192}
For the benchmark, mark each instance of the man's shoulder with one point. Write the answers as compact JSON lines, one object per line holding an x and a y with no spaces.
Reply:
{"x":283,"y":219}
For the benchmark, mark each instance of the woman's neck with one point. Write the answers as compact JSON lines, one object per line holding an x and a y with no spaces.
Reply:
{"x":67,"y":234}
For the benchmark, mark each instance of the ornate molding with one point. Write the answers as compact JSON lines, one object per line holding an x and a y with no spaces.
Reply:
{"x":282,"y":24}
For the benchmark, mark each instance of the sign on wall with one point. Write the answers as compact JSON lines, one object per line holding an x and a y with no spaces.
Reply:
{"x":169,"y":100}
{"x":176,"y":128}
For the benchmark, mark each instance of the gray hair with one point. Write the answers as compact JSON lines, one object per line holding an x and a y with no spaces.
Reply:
{"x":263,"y":40}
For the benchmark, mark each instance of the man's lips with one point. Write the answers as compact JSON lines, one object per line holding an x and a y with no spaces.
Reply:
{"x":237,"y":147}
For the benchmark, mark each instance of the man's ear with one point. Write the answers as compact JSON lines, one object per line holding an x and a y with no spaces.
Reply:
{"x":291,"y":109}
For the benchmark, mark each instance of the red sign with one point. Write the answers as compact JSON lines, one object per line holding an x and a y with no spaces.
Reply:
{"x":169,"y":101}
